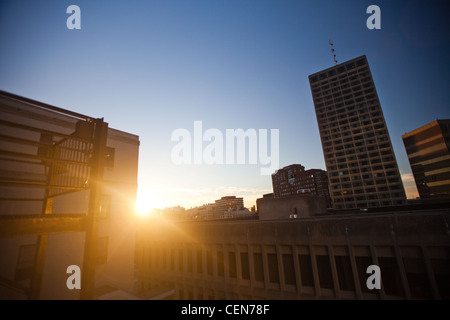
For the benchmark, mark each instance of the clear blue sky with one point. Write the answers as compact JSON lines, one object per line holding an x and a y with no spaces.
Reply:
{"x":151,"y":67}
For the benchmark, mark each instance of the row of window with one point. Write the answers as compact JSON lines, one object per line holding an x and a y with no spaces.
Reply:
{"x":374,"y":124}
{"x":340,"y":109}
{"x":363,"y":91}
{"x":344,"y":120}
{"x":386,"y":155}
{"x":377,"y":162}
{"x":336,"y":73}
{"x":345,"y":132}
{"x":350,"y":100}
{"x":352,"y":196}
{"x":340,"y":203}
{"x":365,"y":174}
{"x":354,"y":125}
{"x":301,"y":269}
{"x":353,"y":148}
{"x":341,"y":82}
{"x":364,"y":114}
{"x":365,"y":164}
{"x":338,"y":95}
{"x":358,"y":182}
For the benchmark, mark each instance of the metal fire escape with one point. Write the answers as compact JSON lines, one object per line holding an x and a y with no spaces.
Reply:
{"x":70,"y":162}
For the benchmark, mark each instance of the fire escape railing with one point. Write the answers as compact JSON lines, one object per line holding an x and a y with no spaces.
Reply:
{"x":60,"y":163}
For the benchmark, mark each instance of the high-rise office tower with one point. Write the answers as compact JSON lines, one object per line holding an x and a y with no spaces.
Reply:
{"x":361,"y":165}
{"x":428,"y":149}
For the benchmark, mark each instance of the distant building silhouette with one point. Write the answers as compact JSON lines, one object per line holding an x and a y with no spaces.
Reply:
{"x":294,"y":180}
{"x":203,"y":212}
{"x":428,"y":149}
{"x":177,"y":212}
{"x":229,"y":203}
{"x":223,"y":208}
{"x":361,"y":165}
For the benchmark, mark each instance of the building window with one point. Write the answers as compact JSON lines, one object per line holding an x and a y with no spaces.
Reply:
{"x":245,"y":267}
{"x":362,"y":262}
{"x":273,"y":268}
{"x":209,"y":263}
{"x":199,"y":261}
{"x":220,"y":267}
{"x":306,"y":270}
{"x":232,"y":264}
{"x":149,"y":261}
{"x":157,"y":258}
{"x":390,"y":276}
{"x":417,"y":278}
{"x":289,"y":270}
{"x":324,"y":270}
{"x":164,"y":258}
{"x":190,"y":261}
{"x":344,"y":271}
{"x":180,"y":260}
{"x":258,"y":264}
{"x":441,"y":270}
{"x":172,"y":259}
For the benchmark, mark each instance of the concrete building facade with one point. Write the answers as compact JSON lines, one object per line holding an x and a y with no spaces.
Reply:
{"x":428,"y":149}
{"x":324,"y":257}
{"x":360,"y":161}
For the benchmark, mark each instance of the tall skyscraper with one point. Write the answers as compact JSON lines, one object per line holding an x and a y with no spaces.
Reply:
{"x":361,"y":165}
{"x":294,"y":179}
{"x":428,"y":149}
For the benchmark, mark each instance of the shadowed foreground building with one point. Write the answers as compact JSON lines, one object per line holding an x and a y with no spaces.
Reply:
{"x":428,"y":149}
{"x":316,"y":257}
{"x":67,"y":193}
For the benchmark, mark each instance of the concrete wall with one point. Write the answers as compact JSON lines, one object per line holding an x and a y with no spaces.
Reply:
{"x":283,"y":208}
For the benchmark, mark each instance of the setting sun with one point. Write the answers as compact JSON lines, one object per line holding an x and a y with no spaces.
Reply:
{"x":143,"y":205}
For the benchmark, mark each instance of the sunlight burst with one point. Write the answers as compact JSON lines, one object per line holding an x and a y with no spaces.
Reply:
{"x":143,"y":206}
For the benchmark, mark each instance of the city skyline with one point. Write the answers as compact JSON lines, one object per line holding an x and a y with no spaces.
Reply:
{"x":152,"y":68}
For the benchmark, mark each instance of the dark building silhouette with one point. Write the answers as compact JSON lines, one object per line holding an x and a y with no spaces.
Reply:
{"x":360,"y":161}
{"x":428,"y":149}
{"x":294,"y":180}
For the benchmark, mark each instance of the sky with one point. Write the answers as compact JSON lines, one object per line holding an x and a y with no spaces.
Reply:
{"x":155,"y":68}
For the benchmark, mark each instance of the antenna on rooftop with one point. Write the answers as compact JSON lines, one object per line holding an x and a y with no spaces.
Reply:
{"x":332,"y":52}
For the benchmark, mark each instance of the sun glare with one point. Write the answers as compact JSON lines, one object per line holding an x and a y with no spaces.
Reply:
{"x":143,"y":206}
